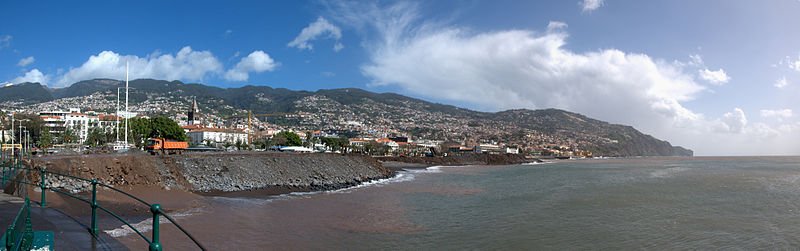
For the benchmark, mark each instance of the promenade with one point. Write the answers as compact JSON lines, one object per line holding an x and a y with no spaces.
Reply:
{"x":70,"y":234}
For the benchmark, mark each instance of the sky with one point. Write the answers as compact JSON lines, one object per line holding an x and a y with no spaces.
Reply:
{"x":720,"y":77}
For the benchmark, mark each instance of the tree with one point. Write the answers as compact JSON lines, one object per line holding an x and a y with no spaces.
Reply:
{"x":239,"y":144}
{"x":287,"y":138}
{"x":163,"y":127}
{"x":31,"y":122}
{"x":69,"y":136}
{"x":375,"y":148}
{"x":95,"y":137}
{"x":336,"y":143}
{"x":45,"y":138}
{"x":138,"y":130}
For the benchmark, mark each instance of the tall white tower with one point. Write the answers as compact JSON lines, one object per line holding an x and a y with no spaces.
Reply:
{"x":127,"y":113}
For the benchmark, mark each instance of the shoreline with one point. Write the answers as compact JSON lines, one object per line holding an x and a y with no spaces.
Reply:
{"x":248,"y":175}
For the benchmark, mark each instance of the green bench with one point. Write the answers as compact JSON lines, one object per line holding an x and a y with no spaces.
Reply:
{"x":20,"y":234}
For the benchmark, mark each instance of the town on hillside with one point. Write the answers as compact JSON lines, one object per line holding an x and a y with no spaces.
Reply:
{"x":48,"y":128}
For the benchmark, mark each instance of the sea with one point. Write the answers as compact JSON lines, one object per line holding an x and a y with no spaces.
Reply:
{"x":700,"y":203}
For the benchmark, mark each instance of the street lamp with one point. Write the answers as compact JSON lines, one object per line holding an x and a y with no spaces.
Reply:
{"x":12,"y":137}
{"x":22,"y":150}
{"x":28,"y":142}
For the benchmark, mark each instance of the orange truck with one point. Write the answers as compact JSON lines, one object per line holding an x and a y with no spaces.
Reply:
{"x":163,"y":146}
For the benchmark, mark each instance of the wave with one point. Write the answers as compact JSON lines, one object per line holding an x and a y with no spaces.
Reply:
{"x":432,"y":169}
{"x":147,"y":224}
{"x":402,"y":176}
{"x":667,"y":173}
{"x":536,"y":163}
{"x":248,"y":200}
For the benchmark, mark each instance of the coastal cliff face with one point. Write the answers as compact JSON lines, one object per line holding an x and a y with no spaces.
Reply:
{"x":599,"y":137}
{"x":217,"y":172}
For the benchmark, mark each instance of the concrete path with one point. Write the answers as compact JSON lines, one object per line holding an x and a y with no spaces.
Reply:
{"x":70,"y":234}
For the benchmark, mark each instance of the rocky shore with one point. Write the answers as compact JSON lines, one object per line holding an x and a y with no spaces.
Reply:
{"x":216,"y":172}
{"x":278,"y":171}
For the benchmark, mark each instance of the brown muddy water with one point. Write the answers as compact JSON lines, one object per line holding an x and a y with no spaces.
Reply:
{"x":651,"y":203}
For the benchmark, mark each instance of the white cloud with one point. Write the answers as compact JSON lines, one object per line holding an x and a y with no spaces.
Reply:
{"x":517,"y":68}
{"x":555,"y":26}
{"x":187,"y":64}
{"x":590,"y":5}
{"x":696,"y":60}
{"x":257,"y":61}
{"x":315,"y":30}
{"x":781,"y":82}
{"x":33,"y":76}
{"x":5,"y":41}
{"x":792,"y":64}
{"x":26,"y":61}
{"x":509,"y":69}
{"x":718,"y":77}
{"x":734,"y":121}
{"x":779,"y":114}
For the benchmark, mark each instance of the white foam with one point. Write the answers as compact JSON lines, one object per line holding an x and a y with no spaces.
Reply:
{"x":536,"y":163}
{"x":147,"y":224}
{"x":402,"y":176}
{"x":433,"y":169}
{"x":248,"y":200}
{"x":668,"y":172}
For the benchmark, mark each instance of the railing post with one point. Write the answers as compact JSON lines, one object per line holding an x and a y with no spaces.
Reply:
{"x":43,"y":187}
{"x":28,"y":232}
{"x":94,"y":208}
{"x":155,"y":245}
{"x":10,"y":237}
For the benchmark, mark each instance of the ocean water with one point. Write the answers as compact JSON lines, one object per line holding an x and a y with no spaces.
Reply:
{"x":648,"y":203}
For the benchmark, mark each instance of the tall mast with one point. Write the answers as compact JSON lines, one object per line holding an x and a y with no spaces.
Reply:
{"x":127,"y":113}
{"x":116,"y":117}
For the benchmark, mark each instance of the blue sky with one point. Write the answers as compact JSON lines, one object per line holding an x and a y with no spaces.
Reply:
{"x":720,"y":77}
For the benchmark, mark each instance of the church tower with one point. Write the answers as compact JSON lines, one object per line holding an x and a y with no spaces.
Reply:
{"x":193,"y":111}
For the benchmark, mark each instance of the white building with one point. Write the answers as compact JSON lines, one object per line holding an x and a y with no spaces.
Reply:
{"x":512,"y":150}
{"x":59,"y":121}
{"x":216,"y":135}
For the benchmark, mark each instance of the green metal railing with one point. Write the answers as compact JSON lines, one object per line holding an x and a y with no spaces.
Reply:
{"x":154,"y":242}
{"x":19,"y":235}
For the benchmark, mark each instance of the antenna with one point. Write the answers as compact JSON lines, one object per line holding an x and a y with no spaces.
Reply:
{"x":127,"y":113}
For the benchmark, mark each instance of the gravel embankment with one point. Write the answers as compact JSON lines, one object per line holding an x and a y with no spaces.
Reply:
{"x":248,"y":171}
{"x":216,"y":172}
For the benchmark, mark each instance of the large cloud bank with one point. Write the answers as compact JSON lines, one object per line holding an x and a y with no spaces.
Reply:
{"x":505,"y":69}
{"x":186,"y":64}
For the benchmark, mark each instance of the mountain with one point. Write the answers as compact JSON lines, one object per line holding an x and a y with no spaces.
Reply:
{"x":354,"y":111}
{"x":26,"y":93}
{"x":624,"y":140}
